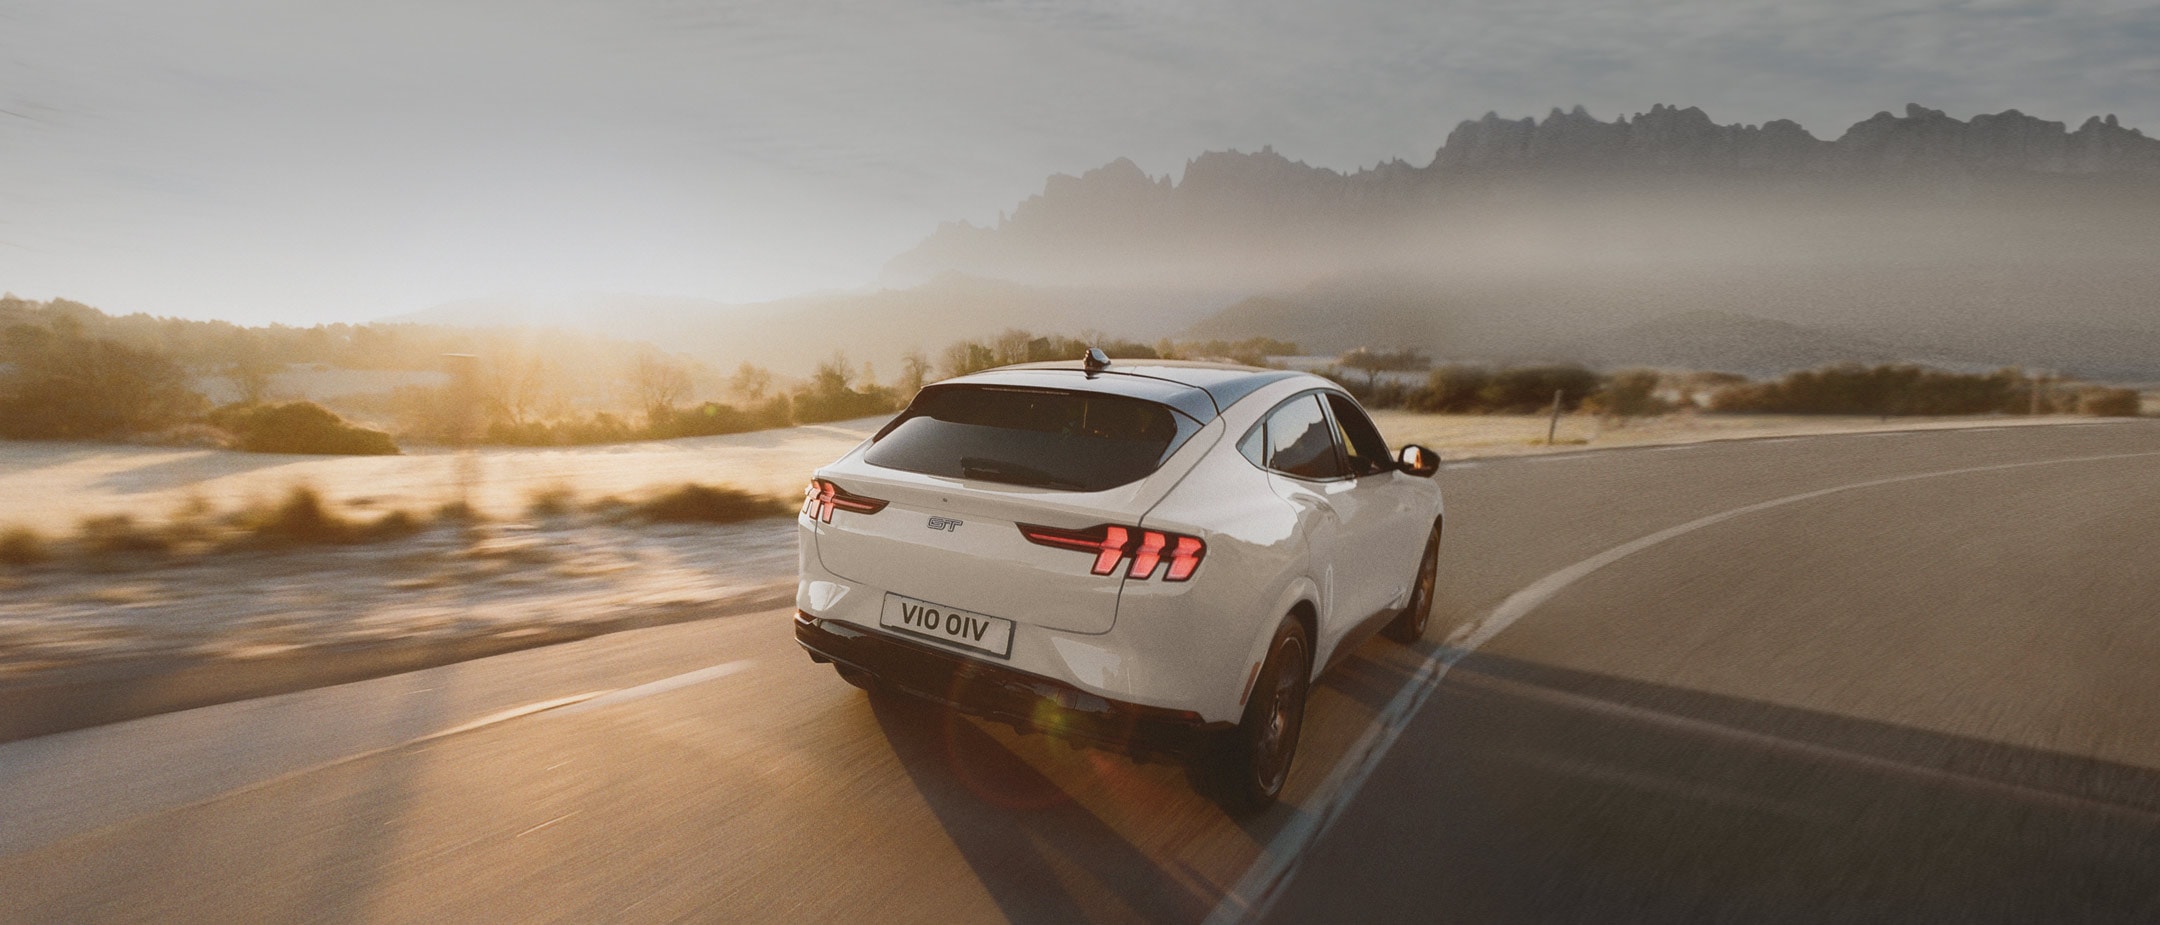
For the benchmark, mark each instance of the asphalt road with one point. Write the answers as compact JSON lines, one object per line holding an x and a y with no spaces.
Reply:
{"x":1873,"y":677}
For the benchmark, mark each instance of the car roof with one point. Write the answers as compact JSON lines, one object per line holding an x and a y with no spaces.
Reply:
{"x":1200,"y":389}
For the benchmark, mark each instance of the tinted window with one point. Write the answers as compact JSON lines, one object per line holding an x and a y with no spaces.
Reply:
{"x":1300,"y":441}
{"x":1254,"y":446}
{"x":1078,"y":441}
{"x":1360,"y":439}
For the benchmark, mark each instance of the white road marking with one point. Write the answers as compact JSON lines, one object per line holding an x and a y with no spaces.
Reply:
{"x":661,"y":686}
{"x":544,"y":825}
{"x":504,"y":716}
{"x":10,"y":844}
{"x":1557,"y":457}
{"x":1264,"y":882}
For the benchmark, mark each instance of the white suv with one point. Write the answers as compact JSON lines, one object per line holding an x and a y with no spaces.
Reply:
{"x":1152,"y":556}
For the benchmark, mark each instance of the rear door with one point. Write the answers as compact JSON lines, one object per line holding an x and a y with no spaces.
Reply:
{"x":1306,"y":468}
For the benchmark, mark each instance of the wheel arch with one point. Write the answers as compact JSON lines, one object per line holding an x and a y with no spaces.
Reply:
{"x":1298,"y":601}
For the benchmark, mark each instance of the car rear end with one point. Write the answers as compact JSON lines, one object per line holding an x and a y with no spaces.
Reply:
{"x":975,"y":551}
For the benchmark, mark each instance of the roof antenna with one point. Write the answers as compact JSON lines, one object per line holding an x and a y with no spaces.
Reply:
{"x":1094,"y":361}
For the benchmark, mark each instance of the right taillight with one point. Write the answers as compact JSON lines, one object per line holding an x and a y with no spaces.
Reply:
{"x":1114,"y":543}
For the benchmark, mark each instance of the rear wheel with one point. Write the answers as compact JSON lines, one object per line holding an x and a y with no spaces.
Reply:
{"x":1409,"y":626}
{"x":1255,"y":762}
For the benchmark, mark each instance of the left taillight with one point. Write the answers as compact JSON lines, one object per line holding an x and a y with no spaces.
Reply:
{"x":823,"y":497}
{"x":1112,"y":544}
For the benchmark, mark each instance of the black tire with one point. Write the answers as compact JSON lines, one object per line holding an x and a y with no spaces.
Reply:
{"x":1254,"y":762}
{"x":857,"y":677}
{"x":1409,"y":626}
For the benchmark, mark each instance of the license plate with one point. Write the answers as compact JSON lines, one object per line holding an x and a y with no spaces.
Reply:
{"x":944,"y":624}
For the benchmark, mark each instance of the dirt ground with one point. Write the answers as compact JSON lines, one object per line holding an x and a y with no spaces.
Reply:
{"x":51,"y":486}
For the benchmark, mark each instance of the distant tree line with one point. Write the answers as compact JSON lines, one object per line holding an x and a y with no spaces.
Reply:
{"x":1847,"y":389}
{"x":68,"y":371}
{"x":1918,"y":390}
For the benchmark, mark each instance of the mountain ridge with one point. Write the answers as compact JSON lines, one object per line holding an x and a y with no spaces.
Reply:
{"x":1264,"y":202}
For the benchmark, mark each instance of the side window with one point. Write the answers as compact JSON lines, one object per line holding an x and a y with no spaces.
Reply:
{"x":1300,"y":441}
{"x":1254,"y":446}
{"x":1360,"y":439}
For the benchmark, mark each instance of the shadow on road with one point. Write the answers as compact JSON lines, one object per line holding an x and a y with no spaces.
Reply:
{"x":188,"y":470}
{"x":1530,"y":792}
{"x":1023,"y":836}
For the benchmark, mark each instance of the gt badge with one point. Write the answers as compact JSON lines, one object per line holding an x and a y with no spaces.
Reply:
{"x":946,"y":524}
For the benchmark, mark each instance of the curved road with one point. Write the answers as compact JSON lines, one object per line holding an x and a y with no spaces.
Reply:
{"x":1906,"y":676}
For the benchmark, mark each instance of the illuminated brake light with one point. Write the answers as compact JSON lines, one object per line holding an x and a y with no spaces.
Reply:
{"x":1148,"y":555}
{"x":1112,"y":544}
{"x":1110,"y":551}
{"x":823,"y":497}
{"x":1185,"y":558}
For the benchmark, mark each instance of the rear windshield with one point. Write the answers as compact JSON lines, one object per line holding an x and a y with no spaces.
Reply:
{"x":1076,"y":441}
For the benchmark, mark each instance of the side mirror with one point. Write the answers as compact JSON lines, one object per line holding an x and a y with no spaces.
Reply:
{"x":1418,"y":460}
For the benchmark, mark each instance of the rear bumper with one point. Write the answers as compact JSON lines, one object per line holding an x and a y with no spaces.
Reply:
{"x":1027,"y":702}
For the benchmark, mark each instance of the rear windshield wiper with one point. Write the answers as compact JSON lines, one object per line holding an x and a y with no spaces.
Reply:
{"x":976,"y":467}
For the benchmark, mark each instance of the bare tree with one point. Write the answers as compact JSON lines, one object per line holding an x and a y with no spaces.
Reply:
{"x":914,"y":370}
{"x":514,"y":384}
{"x":660,"y":383}
{"x":251,"y":375}
{"x":1012,"y":346}
{"x":967,"y":356}
{"x":1374,"y":362}
{"x":751,"y":382}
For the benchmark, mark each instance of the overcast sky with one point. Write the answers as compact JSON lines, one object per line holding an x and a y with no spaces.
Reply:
{"x":266,"y":160}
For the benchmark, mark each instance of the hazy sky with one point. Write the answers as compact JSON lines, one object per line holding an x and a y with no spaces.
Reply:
{"x":266,"y":160}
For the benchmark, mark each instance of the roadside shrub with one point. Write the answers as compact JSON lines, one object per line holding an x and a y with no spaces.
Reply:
{"x":1881,"y":390}
{"x":22,"y":546}
{"x":1629,"y":394}
{"x":119,"y":534}
{"x":600,"y":427}
{"x":300,"y":427}
{"x":832,"y":395}
{"x":2110,"y":403}
{"x":706,"y":420}
{"x":59,"y":384}
{"x":1524,"y":389}
{"x":1452,"y":389}
{"x":552,"y":501}
{"x":459,"y":512}
{"x":301,"y":519}
{"x":395,"y":525}
{"x":694,"y":503}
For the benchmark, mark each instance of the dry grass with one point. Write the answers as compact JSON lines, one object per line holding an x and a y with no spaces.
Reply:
{"x":23,"y":546}
{"x":301,"y":519}
{"x":459,"y":512}
{"x":554,"y":501}
{"x":121,"y":535}
{"x":713,"y":504}
{"x":304,"y":518}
